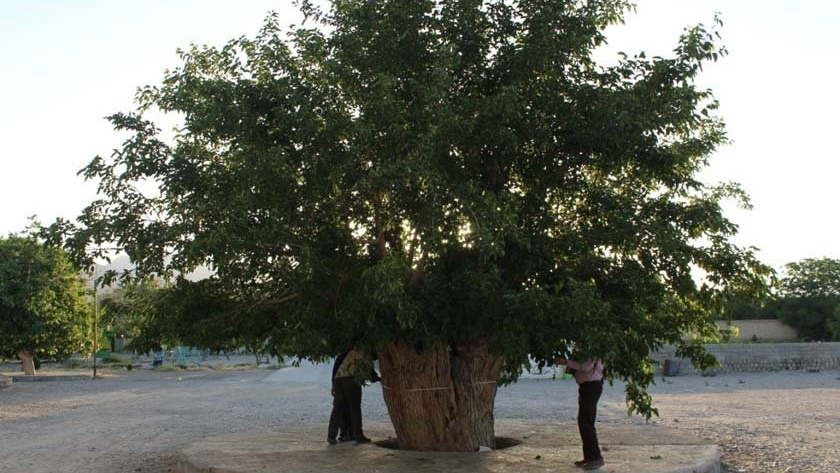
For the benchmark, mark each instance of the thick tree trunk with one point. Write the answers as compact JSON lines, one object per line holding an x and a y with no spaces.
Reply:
{"x":441,"y":398}
{"x":28,"y":362}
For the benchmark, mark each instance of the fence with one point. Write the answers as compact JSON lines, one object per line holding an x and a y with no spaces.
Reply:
{"x":736,"y":357}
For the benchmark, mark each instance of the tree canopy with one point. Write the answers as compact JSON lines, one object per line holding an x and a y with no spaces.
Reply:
{"x":810,"y":295}
{"x":432,"y":172}
{"x":44,"y":310}
{"x":133,"y":311}
{"x":811,"y":277}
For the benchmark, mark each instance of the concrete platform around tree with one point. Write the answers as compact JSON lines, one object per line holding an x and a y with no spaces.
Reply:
{"x":5,"y":382}
{"x":58,"y":376}
{"x":50,"y":375}
{"x":539,"y":447}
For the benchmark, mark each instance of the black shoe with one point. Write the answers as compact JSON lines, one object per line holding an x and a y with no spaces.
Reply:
{"x":593,"y":464}
{"x":580,"y":463}
{"x":361,"y":440}
{"x":344,"y":438}
{"x":331,"y":440}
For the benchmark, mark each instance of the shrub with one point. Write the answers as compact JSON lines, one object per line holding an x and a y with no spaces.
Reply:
{"x":834,"y":325}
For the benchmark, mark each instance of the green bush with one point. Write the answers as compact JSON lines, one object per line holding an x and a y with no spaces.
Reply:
{"x":73,"y":363}
{"x":834,"y":325}
{"x":112,"y":359}
{"x":810,"y":293}
{"x":810,"y":316}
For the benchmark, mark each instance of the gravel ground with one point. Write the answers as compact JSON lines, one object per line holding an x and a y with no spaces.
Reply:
{"x":136,"y":421}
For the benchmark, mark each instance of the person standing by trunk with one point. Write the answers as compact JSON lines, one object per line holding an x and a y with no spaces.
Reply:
{"x":589,"y":375}
{"x":344,"y":432}
{"x":347,"y":392}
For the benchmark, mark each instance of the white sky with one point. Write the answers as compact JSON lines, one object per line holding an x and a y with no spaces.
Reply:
{"x":66,"y":64}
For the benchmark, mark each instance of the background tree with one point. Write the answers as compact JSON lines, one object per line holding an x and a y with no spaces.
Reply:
{"x":153,"y":315}
{"x":834,"y":325}
{"x":810,"y":292}
{"x":454,"y":185}
{"x":132,"y":312}
{"x":44,"y":311}
{"x":810,"y":316}
{"x":811,"y":277}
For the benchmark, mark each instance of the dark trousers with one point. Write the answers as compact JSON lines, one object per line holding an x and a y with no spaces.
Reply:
{"x":344,"y":430}
{"x":588,"y":395}
{"x":346,"y":403}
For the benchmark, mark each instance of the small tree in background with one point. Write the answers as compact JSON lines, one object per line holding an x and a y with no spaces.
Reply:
{"x":44,"y":311}
{"x":454,"y":185}
{"x":834,"y":325}
{"x":153,"y":314}
{"x":811,"y":277}
{"x":810,"y":316}
{"x":810,"y":293}
{"x":132,"y":311}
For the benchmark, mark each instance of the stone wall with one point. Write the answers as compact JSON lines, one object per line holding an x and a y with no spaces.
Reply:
{"x":735,"y":357}
{"x":5,"y":382}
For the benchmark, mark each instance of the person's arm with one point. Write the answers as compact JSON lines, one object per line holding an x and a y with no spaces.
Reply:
{"x":338,"y":360}
{"x":587,"y":365}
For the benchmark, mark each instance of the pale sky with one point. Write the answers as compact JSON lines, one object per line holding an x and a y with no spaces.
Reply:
{"x":66,"y":64}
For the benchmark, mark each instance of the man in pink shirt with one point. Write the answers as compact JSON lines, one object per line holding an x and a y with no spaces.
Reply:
{"x":590,"y":378}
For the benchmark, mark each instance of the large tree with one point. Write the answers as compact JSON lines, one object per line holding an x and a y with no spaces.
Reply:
{"x":454,"y":185}
{"x":44,"y":311}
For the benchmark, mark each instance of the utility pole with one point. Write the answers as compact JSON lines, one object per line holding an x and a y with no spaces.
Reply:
{"x":95,"y":331}
{"x":96,"y":270}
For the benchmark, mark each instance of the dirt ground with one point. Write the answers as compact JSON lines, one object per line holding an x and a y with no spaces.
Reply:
{"x":137,"y":421}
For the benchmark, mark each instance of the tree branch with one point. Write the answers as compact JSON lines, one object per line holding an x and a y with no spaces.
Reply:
{"x":417,"y":276}
{"x":412,"y":247}
{"x":282,"y":300}
{"x":380,"y":230}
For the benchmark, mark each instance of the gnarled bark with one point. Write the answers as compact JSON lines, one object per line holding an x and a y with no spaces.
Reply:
{"x":441,"y":398}
{"x":28,"y":362}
